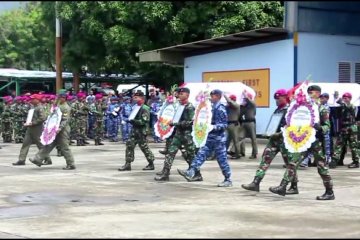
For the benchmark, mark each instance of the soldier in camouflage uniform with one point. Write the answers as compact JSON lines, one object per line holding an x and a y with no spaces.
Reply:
{"x":1,"y":111}
{"x":100,"y":108}
{"x":138,"y":135}
{"x":81,"y":109}
{"x":7,"y":121}
{"x":316,"y":148}
{"x":182,"y":137}
{"x":348,"y":132}
{"x":216,"y":141}
{"x":72,"y":102}
{"x":273,"y":147}
{"x":33,"y":131}
{"x":17,"y":118}
{"x":62,"y":137}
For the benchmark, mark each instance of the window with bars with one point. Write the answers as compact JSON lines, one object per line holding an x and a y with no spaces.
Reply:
{"x":344,"y":72}
{"x":357,"y":72}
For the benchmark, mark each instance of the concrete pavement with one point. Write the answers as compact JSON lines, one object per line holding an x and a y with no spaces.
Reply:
{"x":97,"y":201}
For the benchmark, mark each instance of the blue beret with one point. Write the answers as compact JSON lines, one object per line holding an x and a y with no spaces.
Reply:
{"x":326,"y":95}
{"x":216,"y":91}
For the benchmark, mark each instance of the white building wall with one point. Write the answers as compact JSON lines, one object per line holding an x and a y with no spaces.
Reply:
{"x":319,"y":54}
{"x":277,"y":56}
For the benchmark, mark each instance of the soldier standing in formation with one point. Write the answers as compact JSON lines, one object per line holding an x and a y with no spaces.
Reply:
{"x":233,"y":109}
{"x":182,"y":136}
{"x":113,"y":112}
{"x":7,"y":121}
{"x":33,"y":131}
{"x":62,"y":137}
{"x":140,"y":124}
{"x":126,"y":109}
{"x":348,"y":132}
{"x":216,"y":141}
{"x":82,"y":110}
{"x":100,"y":108}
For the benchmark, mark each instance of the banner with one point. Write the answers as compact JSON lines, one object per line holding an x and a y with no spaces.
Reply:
{"x":301,"y":116}
{"x":202,"y":119}
{"x":51,"y":126}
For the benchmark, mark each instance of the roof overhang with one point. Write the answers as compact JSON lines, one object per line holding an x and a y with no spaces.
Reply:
{"x":175,"y":55}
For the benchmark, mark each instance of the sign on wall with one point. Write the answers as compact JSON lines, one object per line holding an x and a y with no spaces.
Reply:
{"x":258,"y":79}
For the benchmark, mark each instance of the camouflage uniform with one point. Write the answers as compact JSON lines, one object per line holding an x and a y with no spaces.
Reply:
{"x":181,"y":137}
{"x":138,"y":136}
{"x":81,"y":109}
{"x":99,"y":110}
{"x":348,"y":134}
{"x":216,"y":141}
{"x":7,"y":124}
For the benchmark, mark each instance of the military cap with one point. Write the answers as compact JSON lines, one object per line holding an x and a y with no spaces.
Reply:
{"x":62,"y":93}
{"x":280,"y":93}
{"x":183,"y":89}
{"x":139,"y":94}
{"x":325,"y":95}
{"x":232,"y":97}
{"x":98,"y":96}
{"x":347,"y":94}
{"x":216,"y":91}
{"x":81,"y":95}
{"x":314,"y":88}
{"x":36,"y":96}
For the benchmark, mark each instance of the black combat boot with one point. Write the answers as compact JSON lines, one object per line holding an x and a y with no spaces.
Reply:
{"x":161,"y":172}
{"x":96,"y":142}
{"x":332,"y":164}
{"x":164,"y":152}
{"x":254,"y":185}
{"x":197,"y":176}
{"x":150,"y":166}
{"x":126,"y":167}
{"x":281,"y":190}
{"x":36,"y":162}
{"x":19,"y":163}
{"x":293,"y":189}
{"x":354,"y":165}
{"x":329,"y":194}
{"x":164,"y":176}
{"x":99,"y":142}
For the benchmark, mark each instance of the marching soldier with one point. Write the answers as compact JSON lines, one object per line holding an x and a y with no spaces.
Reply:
{"x":216,"y":141}
{"x":62,"y":136}
{"x":182,"y":136}
{"x":294,"y":159}
{"x":274,"y":146}
{"x":348,"y":132}
{"x":138,"y":135}
{"x":33,"y":131}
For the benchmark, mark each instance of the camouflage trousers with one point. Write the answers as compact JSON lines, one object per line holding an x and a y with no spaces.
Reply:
{"x":7,"y":131}
{"x":72,"y":124}
{"x":80,"y":129}
{"x":18,"y":132}
{"x":137,"y":137}
{"x":220,"y":151}
{"x":273,"y":147}
{"x":180,"y":139}
{"x":349,"y":136}
{"x":99,"y":128}
{"x":295,"y":159}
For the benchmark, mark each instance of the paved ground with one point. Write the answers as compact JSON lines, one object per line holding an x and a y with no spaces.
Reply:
{"x":97,"y":201}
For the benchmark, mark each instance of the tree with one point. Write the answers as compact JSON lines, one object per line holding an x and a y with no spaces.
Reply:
{"x":24,"y":44}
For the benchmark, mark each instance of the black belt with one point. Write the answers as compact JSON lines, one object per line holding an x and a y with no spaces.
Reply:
{"x":252,"y":120}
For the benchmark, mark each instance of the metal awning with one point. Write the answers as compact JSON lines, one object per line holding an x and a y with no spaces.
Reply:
{"x":176,"y":54}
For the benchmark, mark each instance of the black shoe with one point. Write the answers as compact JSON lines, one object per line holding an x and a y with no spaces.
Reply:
{"x":100,"y":143}
{"x":292,"y":189}
{"x":150,"y":166}
{"x":19,"y":163}
{"x":197,"y":177}
{"x":253,"y":156}
{"x":253,"y":186}
{"x":230,"y":153}
{"x":164,"y":152}
{"x":281,"y":189}
{"x":164,"y":176}
{"x":96,"y":142}
{"x":37,"y":163}
{"x":69,"y":167}
{"x":332,"y":164}
{"x":354,"y":165}
{"x":47,"y":162}
{"x":187,"y":176}
{"x":161,"y":172}
{"x":328,"y":195}
{"x":126,"y":167}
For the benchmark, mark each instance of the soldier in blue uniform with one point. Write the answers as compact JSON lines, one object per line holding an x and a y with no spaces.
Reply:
{"x":113,"y":119}
{"x":216,"y":141}
{"x":126,"y":109}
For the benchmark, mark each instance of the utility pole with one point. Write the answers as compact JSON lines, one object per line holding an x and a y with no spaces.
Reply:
{"x":59,"y":80}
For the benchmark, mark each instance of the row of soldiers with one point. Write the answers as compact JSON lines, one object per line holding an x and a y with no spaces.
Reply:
{"x":94,"y":117}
